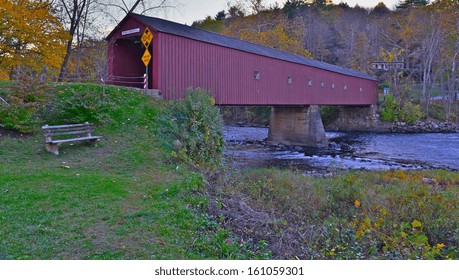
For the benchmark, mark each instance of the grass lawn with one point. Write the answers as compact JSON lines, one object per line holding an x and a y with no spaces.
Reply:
{"x":113,"y":201}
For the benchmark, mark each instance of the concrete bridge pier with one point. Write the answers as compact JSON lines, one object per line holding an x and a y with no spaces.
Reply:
{"x":296,"y":125}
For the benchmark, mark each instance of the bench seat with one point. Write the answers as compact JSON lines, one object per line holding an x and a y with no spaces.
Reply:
{"x":74,"y":139}
{"x":78,"y":132}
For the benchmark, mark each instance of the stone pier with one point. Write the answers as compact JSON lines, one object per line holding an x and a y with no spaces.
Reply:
{"x":296,"y":125}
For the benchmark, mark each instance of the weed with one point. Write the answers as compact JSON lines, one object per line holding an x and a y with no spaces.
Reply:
{"x":378,"y":215}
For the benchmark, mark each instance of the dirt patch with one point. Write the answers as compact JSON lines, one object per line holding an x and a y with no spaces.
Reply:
{"x":11,"y":133}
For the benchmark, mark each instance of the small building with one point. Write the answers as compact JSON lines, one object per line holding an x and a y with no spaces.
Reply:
{"x":234,"y":71}
{"x":386,"y":66}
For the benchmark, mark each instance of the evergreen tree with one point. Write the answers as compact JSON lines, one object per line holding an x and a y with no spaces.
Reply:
{"x":322,"y":4}
{"x":380,"y":10}
{"x":404,"y":4}
{"x":291,"y":7}
{"x":220,"y":15}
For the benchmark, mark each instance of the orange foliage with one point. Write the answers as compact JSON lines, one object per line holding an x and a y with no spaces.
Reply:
{"x":31,"y":35}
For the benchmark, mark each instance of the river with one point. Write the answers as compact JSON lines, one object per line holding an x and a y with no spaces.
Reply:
{"x":247,"y":147}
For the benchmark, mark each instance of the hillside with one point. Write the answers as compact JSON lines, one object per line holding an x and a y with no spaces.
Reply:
{"x":128,"y":198}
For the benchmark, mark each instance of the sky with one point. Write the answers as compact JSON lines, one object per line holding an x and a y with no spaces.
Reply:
{"x":192,"y":10}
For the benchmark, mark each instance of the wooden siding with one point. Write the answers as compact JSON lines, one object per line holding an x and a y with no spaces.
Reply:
{"x":230,"y":75}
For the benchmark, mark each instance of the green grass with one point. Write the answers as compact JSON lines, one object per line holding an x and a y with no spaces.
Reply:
{"x":124,"y":199}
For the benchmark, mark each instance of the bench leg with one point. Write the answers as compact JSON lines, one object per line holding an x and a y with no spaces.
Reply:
{"x":52,"y":148}
{"x":93,"y":142}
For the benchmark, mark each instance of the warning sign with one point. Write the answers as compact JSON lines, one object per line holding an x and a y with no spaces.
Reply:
{"x":146,"y":57}
{"x":147,"y":36}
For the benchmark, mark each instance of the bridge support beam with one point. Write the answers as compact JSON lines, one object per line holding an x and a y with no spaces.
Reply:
{"x":296,"y":125}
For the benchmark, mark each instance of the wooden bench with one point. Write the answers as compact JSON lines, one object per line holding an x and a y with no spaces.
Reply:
{"x":67,"y":133}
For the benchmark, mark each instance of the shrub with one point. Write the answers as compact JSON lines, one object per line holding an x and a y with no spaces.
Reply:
{"x":392,"y":111}
{"x":389,"y":109}
{"x":410,"y":113}
{"x":193,"y":131}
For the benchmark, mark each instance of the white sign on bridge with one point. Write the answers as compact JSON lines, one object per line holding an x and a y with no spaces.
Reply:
{"x":130,"y":31}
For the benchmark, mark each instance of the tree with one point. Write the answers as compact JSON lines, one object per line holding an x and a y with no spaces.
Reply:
{"x":210,"y":24}
{"x":321,"y":4}
{"x":31,"y":36}
{"x":380,"y":10}
{"x":449,"y":54}
{"x":73,"y":12}
{"x":423,"y":32}
{"x":220,"y":15}
{"x":405,"y":4}
{"x":350,"y":31}
{"x":317,"y":34}
{"x":139,"y":6}
{"x":391,"y":57}
{"x":276,"y":38}
{"x":269,"y":29}
{"x":291,"y":7}
{"x":75,"y":16}
{"x":236,"y":10}
{"x":257,"y":6}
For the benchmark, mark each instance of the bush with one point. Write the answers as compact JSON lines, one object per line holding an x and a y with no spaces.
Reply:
{"x":389,"y":109}
{"x":392,"y":111}
{"x":410,"y":113}
{"x":193,"y":131}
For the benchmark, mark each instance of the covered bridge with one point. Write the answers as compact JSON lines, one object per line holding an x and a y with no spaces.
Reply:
{"x":234,"y":71}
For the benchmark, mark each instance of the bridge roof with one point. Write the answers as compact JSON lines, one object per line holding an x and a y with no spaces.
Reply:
{"x":190,"y":32}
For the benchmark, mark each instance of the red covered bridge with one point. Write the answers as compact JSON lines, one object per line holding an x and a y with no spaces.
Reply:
{"x":234,"y":71}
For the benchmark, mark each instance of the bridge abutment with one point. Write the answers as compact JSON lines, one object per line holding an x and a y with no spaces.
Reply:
{"x":296,"y":125}
{"x":359,"y":118}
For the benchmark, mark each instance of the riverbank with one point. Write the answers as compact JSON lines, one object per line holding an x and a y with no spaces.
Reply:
{"x":362,"y":123}
{"x":425,"y":127}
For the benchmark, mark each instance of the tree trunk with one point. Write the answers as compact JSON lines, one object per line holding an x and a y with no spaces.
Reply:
{"x":66,"y":61}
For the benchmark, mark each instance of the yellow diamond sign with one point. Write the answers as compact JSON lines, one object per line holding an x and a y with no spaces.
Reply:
{"x":146,"y":58}
{"x":147,"y":36}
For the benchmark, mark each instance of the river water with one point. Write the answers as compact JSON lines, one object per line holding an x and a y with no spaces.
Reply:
{"x":247,"y":147}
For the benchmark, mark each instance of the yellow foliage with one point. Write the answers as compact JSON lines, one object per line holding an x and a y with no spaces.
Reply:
{"x":31,"y":35}
{"x":416,"y":224}
{"x":273,"y":31}
{"x":276,"y":38}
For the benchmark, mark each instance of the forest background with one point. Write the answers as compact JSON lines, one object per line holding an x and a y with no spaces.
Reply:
{"x":412,"y":50}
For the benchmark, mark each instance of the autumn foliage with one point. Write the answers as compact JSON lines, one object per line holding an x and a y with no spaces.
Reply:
{"x":31,"y":36}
